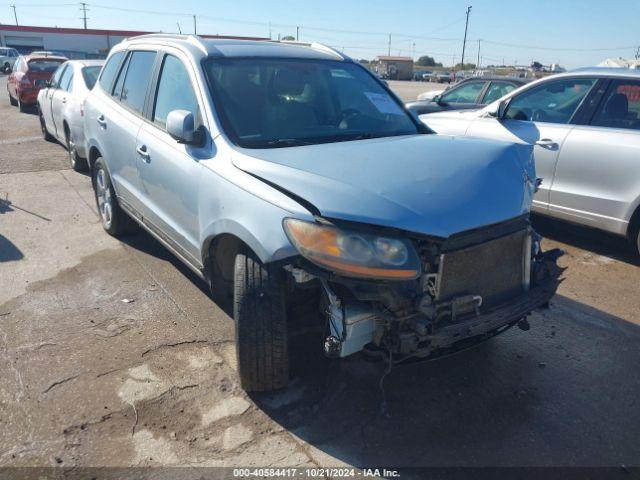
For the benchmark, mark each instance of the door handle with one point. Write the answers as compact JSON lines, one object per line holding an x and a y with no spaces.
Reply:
{"x":64,"y":100}
{"x":101,"y":121}
{"x":547,"y":143}
{"x":142,"y":151}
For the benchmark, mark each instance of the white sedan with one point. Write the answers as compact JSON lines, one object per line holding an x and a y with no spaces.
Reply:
{"x":60,"y":106}
{"x":585,"y":128}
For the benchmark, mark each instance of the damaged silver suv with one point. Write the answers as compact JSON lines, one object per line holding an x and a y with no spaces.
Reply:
{"x":273,"y":169}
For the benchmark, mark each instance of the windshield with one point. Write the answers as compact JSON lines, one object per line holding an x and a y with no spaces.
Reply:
{"x":267,"y":103}
{"x":90,"y":75}
{"x":48,"y":66}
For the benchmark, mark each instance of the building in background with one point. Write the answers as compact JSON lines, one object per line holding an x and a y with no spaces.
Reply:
{"x":394,"y":68}
{"x":620,"y":63}
{"x":71,"y":42}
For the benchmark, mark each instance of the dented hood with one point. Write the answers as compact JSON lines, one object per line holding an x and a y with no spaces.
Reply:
{"x":428,"y":184}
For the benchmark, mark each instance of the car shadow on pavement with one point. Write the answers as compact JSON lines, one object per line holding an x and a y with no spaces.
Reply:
{"x":590,"y":239}
{"x":8,"y":251}
{"x":522,"y":398}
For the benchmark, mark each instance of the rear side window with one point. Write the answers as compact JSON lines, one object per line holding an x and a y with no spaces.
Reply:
{"x":90,"y":76}
{"x":110,"y":71}
{"x":175,"y":91}
{"x":620,"y":107}
{"x":497,"y":90}
{"x":55,"y":81}
{"x":136,"y":80}
{"x":65,"y":80}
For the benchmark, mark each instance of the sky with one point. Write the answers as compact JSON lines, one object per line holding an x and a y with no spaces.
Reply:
{"x":567,"y":32}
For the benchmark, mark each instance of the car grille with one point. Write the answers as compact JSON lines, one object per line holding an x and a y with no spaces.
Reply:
{"x":496,"y":270}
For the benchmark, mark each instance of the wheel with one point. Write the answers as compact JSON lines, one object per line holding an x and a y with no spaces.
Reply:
{"x":261,"y":324}
{"x":634,"y":238}
{"x":78,"y":163}
{"x":21,"y":106}
{"x":43,"y":127}
{"x":6,"y":67}
{"x":114,"y":220}
{"x":12,"y":101}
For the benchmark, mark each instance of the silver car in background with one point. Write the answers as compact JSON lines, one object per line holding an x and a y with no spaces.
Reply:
{"x":8,"y":57}
{"x":585,"y":129}
{"x":60,"y":106}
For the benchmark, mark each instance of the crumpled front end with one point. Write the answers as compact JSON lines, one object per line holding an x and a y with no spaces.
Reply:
{"x":472,"y":286}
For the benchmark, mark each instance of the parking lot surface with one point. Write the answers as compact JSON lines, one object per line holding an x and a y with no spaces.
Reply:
{"x":112,"y":353}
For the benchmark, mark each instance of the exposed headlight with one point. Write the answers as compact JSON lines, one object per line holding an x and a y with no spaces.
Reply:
{"x":354,"y":254}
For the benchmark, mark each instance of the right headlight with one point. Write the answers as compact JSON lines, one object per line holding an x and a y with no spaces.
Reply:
{"x":353,"y":253}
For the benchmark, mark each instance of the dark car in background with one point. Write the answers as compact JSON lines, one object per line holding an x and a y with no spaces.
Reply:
{"x":475,"y":92}
{"x":30,"y":73}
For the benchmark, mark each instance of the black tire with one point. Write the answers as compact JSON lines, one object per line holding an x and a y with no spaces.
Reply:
{"x":261,"y":324}
{"x":43,"y":127}
{"x":114,"y":220}
{"x":634,"y":238}
{"x":77,"y":163}
{"x":6,"y":67}
{"x":12,"y":101}
{"x":21,"y":106}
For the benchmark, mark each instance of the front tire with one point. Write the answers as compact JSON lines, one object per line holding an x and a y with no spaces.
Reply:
{"x":114,"y":220}
{"x":261,"y":324}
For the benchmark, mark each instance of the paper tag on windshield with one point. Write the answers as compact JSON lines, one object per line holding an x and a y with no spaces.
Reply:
{"x":384,"y":103}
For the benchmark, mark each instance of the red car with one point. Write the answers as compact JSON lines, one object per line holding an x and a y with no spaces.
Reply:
{"x":29,"y":75}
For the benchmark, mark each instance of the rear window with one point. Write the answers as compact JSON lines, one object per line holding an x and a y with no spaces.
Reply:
{"x":48,"y":66}
{"x":110,"y":71}
{"x":90,"y":76}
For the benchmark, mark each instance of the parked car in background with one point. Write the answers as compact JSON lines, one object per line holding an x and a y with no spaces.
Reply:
{"x":280,"y":171}
{"x":474,"y":92}
{"x":585,"y":129}
{"x":8,"y":57}
{"x":61,"y":106}
{"x":28,"y":76}
{"x":430,"y":94}
{"x":441,"y":77}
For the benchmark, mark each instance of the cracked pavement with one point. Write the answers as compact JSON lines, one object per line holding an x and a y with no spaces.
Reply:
{"x":87,"y":379}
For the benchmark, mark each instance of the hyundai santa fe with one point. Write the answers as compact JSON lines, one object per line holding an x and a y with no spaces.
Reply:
{"x":281,"y":171}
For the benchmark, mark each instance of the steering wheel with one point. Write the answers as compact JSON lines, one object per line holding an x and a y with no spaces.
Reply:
{"x":346,"y":115}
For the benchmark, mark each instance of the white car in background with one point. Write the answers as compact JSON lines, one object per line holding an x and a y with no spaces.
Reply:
{"x":8,"y":57}
{"x":60,"y":106}
{"x":585,"y":129}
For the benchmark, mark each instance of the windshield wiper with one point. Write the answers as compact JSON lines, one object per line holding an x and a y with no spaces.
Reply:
{"x":287,"y":142}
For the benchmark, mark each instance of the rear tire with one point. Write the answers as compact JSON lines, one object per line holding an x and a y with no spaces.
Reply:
{"x":13,"y":102}
{"x":21,"y":106}
{"x":43,"y":127}
{"x":77,"y":163}
{"x":114,"y":220}
{"x":634,"y":238}
{"x":261,"y":324}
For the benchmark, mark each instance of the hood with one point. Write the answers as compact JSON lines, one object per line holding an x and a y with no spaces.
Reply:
{"x":428,"y":184}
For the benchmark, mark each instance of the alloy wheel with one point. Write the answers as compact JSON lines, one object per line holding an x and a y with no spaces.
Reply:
{"x":103,"y":194}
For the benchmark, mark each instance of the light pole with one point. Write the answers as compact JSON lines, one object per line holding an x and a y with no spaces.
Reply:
{"x":464,"y":42}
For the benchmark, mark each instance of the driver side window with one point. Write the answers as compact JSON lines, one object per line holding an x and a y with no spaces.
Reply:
{"x":552,"y":102}
{"x":55,"y":80}
{"x":464,"y":94}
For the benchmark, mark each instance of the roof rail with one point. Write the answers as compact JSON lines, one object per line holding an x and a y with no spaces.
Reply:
{"x":192,"y":39}
{"x":321,"y":47}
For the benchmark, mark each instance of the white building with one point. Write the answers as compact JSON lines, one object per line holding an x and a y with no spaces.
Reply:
{"x":72,"y":42}
{"x":620,"y":63}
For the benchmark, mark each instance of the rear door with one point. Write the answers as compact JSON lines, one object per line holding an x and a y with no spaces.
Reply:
{"x":169,"y":170}
{"x":121,"y":120}
{"x":597,"y":179}
{"x":47,"y":96}
{"x":59,"y":98}
{"x":541,"y":116}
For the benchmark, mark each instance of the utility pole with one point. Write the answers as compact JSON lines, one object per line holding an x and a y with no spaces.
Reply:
{"x":464,"y":42}
{"x":413,"y":50}
{"x":269,"y":30}
{"x":389,"y":50}
{"x":83,"y":7}
{"x":179,"y":29}
{"x":478,"y":63}
{"x":638,"y":54}
{"x":195,"y":25}
{"x":15,"y":15}
{"x":297,"y":34}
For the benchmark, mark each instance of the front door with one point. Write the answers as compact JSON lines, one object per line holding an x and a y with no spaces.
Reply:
{"x":59,"y":98}
{"x":542,"y":117}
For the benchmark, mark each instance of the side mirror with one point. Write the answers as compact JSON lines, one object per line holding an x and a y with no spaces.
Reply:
{"x":181,"y":127}
{"x":48,"y":84}
{"x":502,"y":109}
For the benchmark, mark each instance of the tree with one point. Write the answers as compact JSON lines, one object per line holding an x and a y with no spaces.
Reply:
{"x":427,"y":61}
{"x":288,"y":38}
